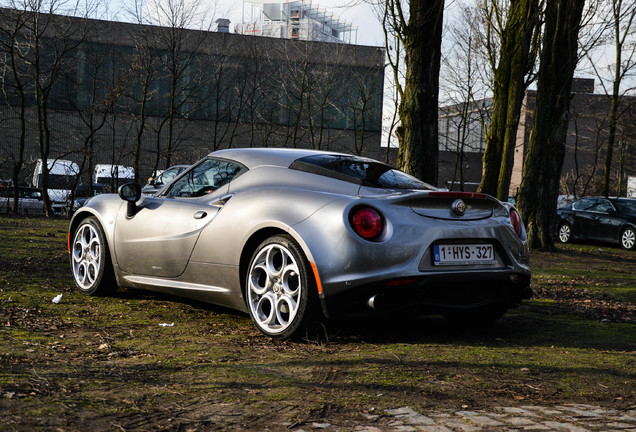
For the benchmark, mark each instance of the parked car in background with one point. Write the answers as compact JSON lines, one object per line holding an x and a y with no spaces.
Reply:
{"x":62,"y":176}
{"x":157,"y":183}
{"x":82,"y":194}
{"x":288,"y":235}
{"x":29,"y":203}
{"x":599,"y":219}
{"x":113,"y":175}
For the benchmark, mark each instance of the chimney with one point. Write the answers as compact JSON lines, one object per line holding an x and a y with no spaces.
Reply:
{"x":223,"y":25}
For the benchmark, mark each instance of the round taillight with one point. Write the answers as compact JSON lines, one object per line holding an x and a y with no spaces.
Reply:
{"x":515,"y":220}
{"x":366,"y":222}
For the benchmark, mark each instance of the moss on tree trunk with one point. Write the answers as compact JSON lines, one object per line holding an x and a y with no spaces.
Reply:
{"x":546,"y":147}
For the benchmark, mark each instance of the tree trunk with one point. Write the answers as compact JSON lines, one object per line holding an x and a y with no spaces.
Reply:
{"x":611,"y":137}
{"x":623,"y":15}
{"x":546,"y":148}
{"x":419,"y":151}
{"x":509,"y":88}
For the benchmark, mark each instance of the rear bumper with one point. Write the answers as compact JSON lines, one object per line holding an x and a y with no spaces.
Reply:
{"x":431,"y":294}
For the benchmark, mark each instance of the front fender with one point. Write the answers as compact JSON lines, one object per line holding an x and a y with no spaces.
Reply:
{"x":104,"y":208}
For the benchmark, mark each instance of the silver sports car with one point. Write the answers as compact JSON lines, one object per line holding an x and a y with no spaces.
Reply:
{"x":296,"y":236}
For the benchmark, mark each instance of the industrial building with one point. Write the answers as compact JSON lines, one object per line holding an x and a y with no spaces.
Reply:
{"x":149,"y":97}
{"x":462,"y":142}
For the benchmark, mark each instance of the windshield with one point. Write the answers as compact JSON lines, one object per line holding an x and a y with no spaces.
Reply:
{"x":365,"y":172}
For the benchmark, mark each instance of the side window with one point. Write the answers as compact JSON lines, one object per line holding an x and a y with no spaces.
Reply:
{"x":602,"y":206}
{"x":204,"y":178}
{"x":585,"y":204}
{"x":160,"y":179}
{"x":166,"y":176}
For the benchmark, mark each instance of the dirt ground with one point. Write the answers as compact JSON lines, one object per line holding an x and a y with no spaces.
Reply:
{"x":142,"y":361}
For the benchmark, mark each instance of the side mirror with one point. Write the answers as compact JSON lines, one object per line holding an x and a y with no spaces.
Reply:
{"x":130,"y":192}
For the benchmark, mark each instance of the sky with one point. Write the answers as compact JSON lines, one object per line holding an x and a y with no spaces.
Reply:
{"x":357,"y":12}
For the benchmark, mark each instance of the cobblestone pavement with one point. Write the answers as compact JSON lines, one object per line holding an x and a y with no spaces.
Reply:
{"x":570,"y":417}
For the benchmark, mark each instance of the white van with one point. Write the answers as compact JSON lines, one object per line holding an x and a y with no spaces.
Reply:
{"x":113,"y":175}
{"x":62,"y":176}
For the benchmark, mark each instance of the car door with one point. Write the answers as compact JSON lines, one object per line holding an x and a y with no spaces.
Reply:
{"x":582,"y":218}
{"x":606,"y":226}
{"x":158,"y":240}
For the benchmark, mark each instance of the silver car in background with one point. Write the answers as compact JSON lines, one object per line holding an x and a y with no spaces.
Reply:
{"x":157,"y":183}
{"x":30,"y":201}
{"x":296,"y":236}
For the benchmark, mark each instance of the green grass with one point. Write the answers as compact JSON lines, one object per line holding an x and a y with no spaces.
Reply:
{"x":106,"y":361}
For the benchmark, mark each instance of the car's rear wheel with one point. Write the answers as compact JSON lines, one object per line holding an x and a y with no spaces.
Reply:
{"x":90,"y":259}
{"x":280,"y":289}
{"x":565,"y":233}
{"x":628,"y":238}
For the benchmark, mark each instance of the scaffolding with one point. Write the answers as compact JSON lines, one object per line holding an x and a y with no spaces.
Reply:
{"x":294,"y":20}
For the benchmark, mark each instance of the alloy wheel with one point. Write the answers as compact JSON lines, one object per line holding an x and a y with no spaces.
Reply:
{"x":565,"y":233}
{"x":628,"y":238}
{"x":86,"y":256}
{"x":274,"y":288}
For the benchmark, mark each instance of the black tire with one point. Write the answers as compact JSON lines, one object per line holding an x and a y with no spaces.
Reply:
{"x":476,"y":317}
{"x":90,"y":259}
{"x":280,"y":289}
{"x":564,"y":233}
{"x":628,"y":238}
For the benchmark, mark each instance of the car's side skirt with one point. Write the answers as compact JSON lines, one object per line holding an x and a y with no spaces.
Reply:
{"x":158,"y":282}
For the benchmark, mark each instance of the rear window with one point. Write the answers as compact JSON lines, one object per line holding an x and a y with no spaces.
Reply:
{"x":626,"y":206}
{"x":365,"y":172}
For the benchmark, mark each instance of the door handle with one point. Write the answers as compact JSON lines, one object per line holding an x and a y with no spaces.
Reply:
{"x":200,"y":214}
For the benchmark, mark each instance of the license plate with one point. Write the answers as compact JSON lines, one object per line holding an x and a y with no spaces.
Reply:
{"x":463,"y":254}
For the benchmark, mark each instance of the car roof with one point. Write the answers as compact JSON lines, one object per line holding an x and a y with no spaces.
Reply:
{"x":283,"y":157}
{"x":607,"y":198}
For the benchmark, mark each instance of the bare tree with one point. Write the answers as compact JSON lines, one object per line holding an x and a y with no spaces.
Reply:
{"x":11,"y":47}
{"x":620,"y":21}
{"x":223,"y":77}
{"x":546,"y":148}
{"x":580,"y":182}
{"x":393,"y":81}
{"x":325,"y":93}
{"x":98,"y":95}
{"x":418,"y":30}
{"x":143,"y":73}
{"x":465,"y":84}
{"x":180,"y":51}
{"x":515,"y":62}
{"x":48,"y":43}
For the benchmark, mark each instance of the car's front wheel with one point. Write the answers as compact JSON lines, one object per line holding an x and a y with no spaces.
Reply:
{"x":90,"y":260}
{"x":628,"y":238}
{"x":281,"y":292}
{"x":565,"y":233}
